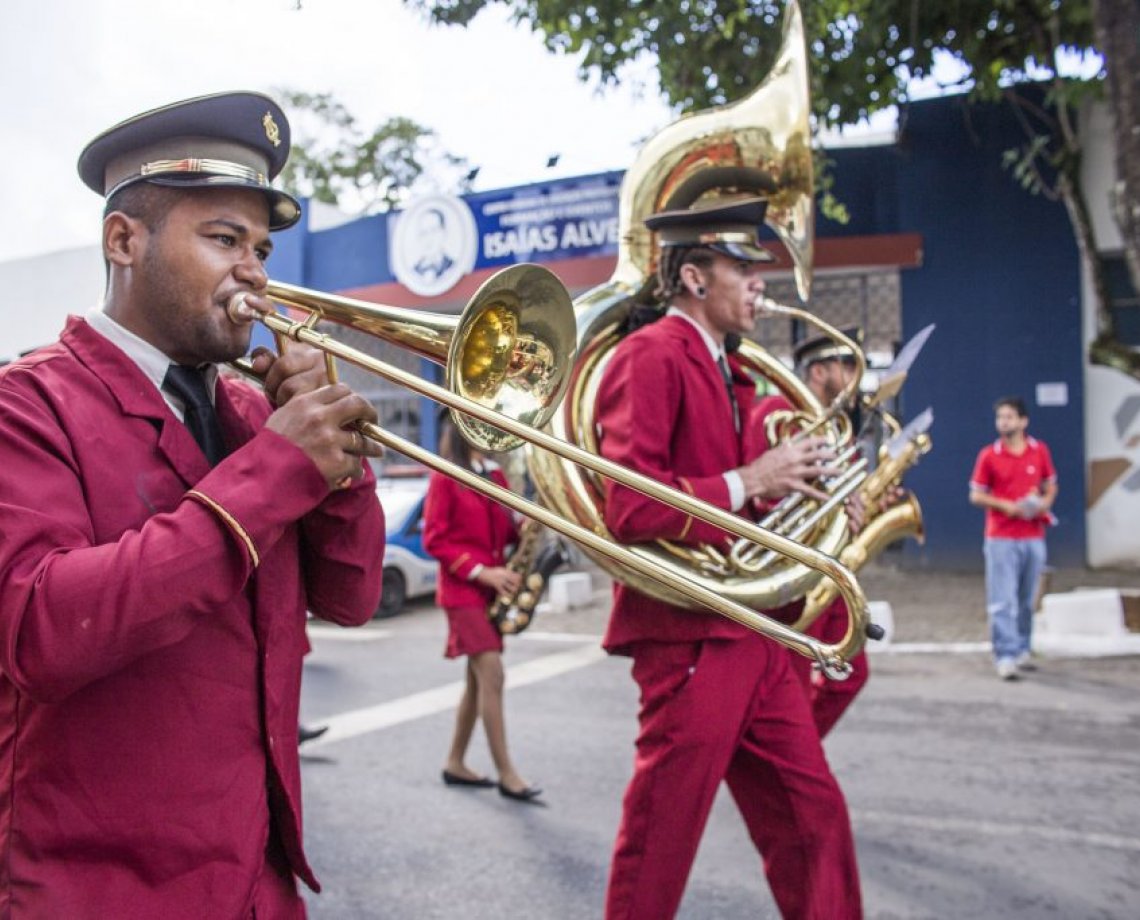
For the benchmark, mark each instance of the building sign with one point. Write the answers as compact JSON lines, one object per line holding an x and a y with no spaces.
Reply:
{"x":433,"y":244}
{"x":438,"y":239}
{"x":548,"y":222}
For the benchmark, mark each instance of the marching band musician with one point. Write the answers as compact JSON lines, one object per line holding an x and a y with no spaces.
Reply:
{"x":469,"y":534}
{"x":827,"y":367}
{"x":718,"y":701}
{"x":165,"y":529}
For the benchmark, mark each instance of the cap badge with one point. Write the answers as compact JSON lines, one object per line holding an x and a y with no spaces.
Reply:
{"x":271,"y":130}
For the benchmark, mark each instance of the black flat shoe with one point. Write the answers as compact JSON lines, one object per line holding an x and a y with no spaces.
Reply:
{"x":308,"y":734}
{"x":529,"y":794}
{"x":454,"y":779}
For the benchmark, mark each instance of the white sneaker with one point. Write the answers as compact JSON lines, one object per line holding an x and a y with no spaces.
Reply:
{"x":1007,"y":669}
{"x":1024,"y":662}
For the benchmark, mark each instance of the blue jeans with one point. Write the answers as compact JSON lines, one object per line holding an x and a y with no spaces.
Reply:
{"x":1013,"y":568}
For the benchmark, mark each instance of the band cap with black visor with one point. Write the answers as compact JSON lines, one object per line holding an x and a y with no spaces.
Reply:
{"x":824,"y":348}
{"x":732,"y":228}
{"x":229,"y":140}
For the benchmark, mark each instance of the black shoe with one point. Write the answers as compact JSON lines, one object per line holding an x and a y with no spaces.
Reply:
{"x":454,"y":779}
{"x":528,"y":794}
{"x":308,"y":734}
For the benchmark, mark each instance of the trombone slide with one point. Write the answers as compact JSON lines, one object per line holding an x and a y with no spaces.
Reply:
{"x":832,"y":659}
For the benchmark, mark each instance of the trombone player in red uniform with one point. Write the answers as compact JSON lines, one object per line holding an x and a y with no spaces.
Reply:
{"x":165,"y":529}
{"x":718,"y":701}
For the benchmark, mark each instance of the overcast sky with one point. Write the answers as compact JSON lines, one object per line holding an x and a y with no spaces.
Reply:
{"x":71,"y":68}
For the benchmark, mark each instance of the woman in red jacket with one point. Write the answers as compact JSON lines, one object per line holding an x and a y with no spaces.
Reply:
{"x":469,"y":534}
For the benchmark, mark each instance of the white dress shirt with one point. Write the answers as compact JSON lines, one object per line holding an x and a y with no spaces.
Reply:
{"x":150,"y":360}
{"x":732,"y":478}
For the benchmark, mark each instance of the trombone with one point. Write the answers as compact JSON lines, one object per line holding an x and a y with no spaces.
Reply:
{"x":508,"y":356}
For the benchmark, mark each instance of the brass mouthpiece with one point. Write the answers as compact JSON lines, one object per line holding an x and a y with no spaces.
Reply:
{"x":239,"y":311}
{"x":767,"y":308}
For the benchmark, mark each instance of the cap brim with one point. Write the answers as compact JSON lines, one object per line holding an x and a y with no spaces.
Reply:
{"x":745,"y":252}
{"x":284,"y":209}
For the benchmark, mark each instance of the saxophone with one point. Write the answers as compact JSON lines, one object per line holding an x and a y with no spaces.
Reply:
{"x":512,"y":613}
{"x":885,"y":524}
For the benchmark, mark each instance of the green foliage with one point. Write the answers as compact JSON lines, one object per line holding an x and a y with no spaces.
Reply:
{"x":864,"y":55}
{"x":335,"y":162}
{"x":863,"y":52}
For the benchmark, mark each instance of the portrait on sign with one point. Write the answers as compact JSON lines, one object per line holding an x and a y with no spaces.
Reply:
{"x":433,"y":245}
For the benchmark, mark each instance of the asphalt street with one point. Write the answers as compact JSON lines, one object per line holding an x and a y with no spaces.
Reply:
{"x":970,"y":797}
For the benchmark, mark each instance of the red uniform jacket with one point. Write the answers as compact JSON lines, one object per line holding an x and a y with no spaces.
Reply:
{"x":463,"y":529}
{"x":152,"y":626}
{"x":662,"y":410}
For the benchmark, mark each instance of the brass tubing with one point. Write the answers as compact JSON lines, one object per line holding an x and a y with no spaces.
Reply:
{"x":831,"y":658}
{"x":846,"y":484}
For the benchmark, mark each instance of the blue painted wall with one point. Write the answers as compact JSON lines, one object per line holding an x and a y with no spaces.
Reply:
{"x":1001,"y":279}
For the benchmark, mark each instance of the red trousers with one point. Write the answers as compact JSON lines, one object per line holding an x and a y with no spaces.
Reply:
{"x":731,"y":710}
{"x":830,"y":698}
{"x":275,"y":895}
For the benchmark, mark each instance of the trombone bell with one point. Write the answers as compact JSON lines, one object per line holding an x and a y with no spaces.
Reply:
{"x":510,"y":350}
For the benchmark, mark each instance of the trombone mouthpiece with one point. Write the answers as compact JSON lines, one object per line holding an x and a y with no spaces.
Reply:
{"x":239,"y":311}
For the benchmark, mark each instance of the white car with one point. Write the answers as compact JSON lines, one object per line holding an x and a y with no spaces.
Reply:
{"x":408,"y":570}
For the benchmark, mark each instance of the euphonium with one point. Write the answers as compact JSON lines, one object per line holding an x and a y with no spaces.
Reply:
{"x":759,"y":145}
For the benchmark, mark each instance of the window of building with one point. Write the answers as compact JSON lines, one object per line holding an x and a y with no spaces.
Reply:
{"x":1124,"y":302}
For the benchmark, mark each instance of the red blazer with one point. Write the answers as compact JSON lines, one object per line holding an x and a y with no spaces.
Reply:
{"x":463,"y":529}
{"x":152,"y":626}
{"x":662,"y":410}
{"x":756,"y":441}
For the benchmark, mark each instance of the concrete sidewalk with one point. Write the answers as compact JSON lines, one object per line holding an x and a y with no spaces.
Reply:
{"x":927,"y":606}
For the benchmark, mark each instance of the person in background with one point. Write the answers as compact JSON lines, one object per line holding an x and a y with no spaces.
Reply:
{"x":718,"y":702}
{"x":165,"y":529}
{"x":827,"y":367}
{"x":469,"y":534}
{"x":1015,"y":481}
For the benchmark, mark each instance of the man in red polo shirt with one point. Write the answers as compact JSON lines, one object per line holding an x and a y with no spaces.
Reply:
{"x":1015,"y":481}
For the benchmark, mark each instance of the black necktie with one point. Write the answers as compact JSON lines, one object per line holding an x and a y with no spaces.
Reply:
{"x":188,"y":384}
{"x":727,"y":375}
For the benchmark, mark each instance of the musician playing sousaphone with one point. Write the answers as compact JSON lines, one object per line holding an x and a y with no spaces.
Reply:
{"x":469,"y":534}
{"x":718,"y":701}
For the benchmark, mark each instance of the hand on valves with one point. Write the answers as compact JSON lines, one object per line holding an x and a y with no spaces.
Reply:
{"x":790,"y":467}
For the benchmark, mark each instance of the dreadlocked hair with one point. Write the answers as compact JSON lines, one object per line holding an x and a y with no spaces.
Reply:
{"x":669,"y":267}
{"x":648,"y":305}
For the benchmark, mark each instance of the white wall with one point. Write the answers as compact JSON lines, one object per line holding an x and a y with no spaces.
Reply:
{"x":40,"y":292}
{"x":1112,"y":398}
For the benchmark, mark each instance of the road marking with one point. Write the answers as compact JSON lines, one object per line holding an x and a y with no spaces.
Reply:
{"x":971,"y":828}
{"x":440,"y":699}
{"x":347,"y":634}
{"x":557,"y":637}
